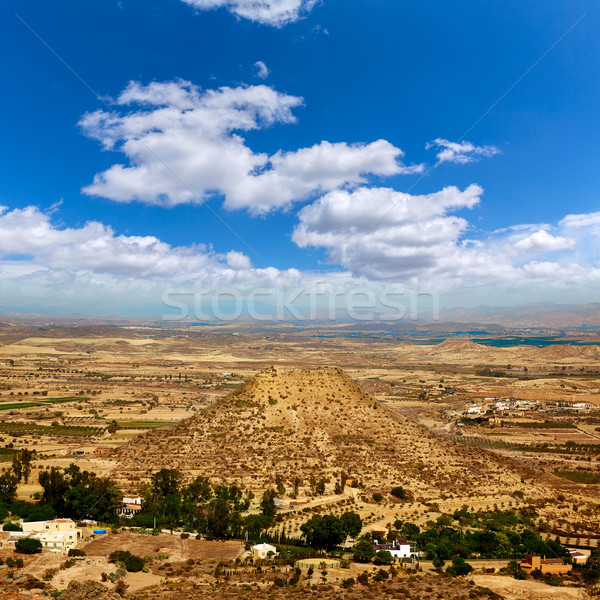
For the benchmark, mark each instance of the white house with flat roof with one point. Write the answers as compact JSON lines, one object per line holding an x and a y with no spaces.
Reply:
{"x":263,"y":550}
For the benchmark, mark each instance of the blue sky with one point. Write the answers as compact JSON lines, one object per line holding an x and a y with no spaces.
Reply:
{"x":297,"y":142}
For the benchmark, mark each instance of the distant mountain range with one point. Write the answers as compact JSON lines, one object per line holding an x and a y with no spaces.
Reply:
{"x":494,"y":319}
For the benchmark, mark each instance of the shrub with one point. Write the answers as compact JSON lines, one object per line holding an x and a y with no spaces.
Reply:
{"x":134,"y":564}
{"x":76,"y":552}
{"x":363,"y":578}
{"x":11,"y":527}
{"x":348,"y":582}
{"x":399,"y":492}
{"x":28,"y":546}
{"x":377,"y":497}
{"x":121,"y":587}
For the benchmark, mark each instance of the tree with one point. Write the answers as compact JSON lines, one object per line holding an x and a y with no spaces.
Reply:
{"x":267,"y":504}
{"x":11,"y":527}
{"x":54,"y":486}
{"x":363,"y":551}
{"x":17,"y":466}
{"x":222,"y":520}
{"x":410,"y":531}
{"x":26,"y":457}
{"x":323,"y":532}
{"x":280,"y":484}
{"x":459,"y":567}
{"x":438,"y":562}
{"x":8,"y":487}
{"x":28,"y":546}
{"x":320,"y":487}
{"x":297,"y":484}
{"x":166,"y":482}
{"x":164,"y":496}
{"x":351,"y":523}
{"x":384,"y":557}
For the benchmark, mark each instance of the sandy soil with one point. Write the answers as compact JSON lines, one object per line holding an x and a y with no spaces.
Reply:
{"x":512,"y":589}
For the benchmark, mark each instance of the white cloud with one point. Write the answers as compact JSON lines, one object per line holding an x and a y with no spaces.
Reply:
{"x":380,"y":233}
{"x":384,"y":235}
{"x":379,"y":236}
{"x":96,"y":248}
{"x":262,"y":71}
{"x":581,"y":220}
{"x":184,"y":145}
{"x":542,"y":241}
{"x":267,"y":12}
{"x":460,"y":152}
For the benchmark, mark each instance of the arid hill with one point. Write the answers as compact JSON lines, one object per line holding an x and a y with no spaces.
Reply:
{"x":460,"y":347}
{"x":320,"y":422}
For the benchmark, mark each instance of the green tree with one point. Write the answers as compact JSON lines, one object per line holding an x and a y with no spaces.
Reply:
{"x":280,"y":484}
{"x":199,"y":491}
{"x":28,"y":546}
{"x":363,"y":551}
{"x":26,"y":457}
{"x":320,"y":487}
{"x":459,"y":567}
{"x":17,"y":466}
{"x":166,"y":482}
{"x":8,"y":487}
{"x":54,"y":485}
{"x":384,"y":557}
{"x":323,"y":532}
{"x":351,"y":524}
{"x":297,"y":483}
{"x":267,"y":504}
{"x":222,"y":520}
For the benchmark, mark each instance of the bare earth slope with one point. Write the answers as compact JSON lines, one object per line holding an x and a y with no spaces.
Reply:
{"x":303,"y":422}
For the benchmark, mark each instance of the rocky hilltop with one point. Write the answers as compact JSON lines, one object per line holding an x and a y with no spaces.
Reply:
{"x":312,"y":422}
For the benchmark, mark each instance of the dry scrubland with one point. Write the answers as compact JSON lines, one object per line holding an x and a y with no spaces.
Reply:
{"x":382,"y":410}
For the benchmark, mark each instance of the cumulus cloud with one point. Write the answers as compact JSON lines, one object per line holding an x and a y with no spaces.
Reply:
{"x":460,"y":152}
{"x":542,"y":241}
{"x":380,"y":233}
{"x":384,"y":235}
{"x":382,"y":240}
{"x":96,"y":248}
{"x":267,"y":12}
{"x":185,"y":145}
{"x":262,"y":70}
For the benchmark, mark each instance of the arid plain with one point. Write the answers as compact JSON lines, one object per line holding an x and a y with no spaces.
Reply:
{"x":459,"y":415}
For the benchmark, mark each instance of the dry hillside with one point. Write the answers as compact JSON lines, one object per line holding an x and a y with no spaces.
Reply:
{"x":303,"y":422}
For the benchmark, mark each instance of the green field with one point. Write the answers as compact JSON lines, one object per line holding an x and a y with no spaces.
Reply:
{"x":144,"y":424}
{"x":36,"y":403}
{"x":579,"y":476}
{"x":54,"y":430}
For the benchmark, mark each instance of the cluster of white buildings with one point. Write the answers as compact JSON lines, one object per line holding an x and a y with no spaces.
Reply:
{"x":57,"y":535}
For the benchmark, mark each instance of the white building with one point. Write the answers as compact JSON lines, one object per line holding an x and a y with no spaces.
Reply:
{"x":263,"y":550}
{"x":54,"y":542}
{"x":130,"y":506}
{"x":399,"y":548}
{"x":53,"y":526}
